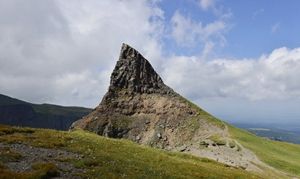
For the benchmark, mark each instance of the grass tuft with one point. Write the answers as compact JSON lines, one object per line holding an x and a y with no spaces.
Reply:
{"x":40,"y":170}
{"x":218,"y":140}
{"x":8,"y":155}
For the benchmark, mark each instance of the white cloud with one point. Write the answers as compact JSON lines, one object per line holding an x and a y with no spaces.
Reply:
{"x":208,"y":47}
{"x":273,"y":76}
{"x":188,"y":33}
{"x":206,"y":4}
{"x":215,"y":7}
{"x":62,"y":52}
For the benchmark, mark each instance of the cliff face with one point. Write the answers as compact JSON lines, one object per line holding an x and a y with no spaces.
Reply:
{"x":140,"y":107}
{"x":135,"y":74}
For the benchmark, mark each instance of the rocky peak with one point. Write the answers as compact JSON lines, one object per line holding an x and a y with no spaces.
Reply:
{"x":135,"y":74}
{"x":141,"y":108}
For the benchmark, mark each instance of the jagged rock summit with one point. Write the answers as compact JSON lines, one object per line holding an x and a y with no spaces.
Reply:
{"x":135,"y":74}
{"x":140,"y":107}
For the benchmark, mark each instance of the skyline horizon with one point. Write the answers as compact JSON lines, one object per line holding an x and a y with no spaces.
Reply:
{"x":238,"y":60}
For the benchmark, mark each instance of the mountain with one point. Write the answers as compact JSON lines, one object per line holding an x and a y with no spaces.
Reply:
{"x":138,"y":106}
{"x":21,"y":113}
{"x":186,"y":141}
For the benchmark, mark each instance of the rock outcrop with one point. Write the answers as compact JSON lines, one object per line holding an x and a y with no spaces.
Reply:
{"x":135,"y":74}
{"x":140,"y":107}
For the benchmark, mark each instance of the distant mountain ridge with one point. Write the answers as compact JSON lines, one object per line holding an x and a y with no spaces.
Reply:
{"x":288,"y":133}
{"x":20,"y":113}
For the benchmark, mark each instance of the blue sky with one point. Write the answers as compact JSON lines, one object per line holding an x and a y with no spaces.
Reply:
{"x":261,"y":26}
{"x":256,"y":27}
{"x":239,"y":60}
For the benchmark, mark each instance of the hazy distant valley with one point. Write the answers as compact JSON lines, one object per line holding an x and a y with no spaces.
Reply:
{"x":279,"y":132}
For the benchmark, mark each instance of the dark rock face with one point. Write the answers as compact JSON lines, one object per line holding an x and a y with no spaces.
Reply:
{"x":134,"y":73}
{"x":138,"y":105}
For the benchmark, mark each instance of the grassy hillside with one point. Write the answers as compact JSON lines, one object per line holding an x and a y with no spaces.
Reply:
{"x":6,"y":100}
{"x":21,"y":113}
{"x":280,"y":155}
{"x":59,"y":110}
{"x":107,"y":158}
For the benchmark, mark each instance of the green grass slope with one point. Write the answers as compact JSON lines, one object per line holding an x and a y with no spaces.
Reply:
{"x":280,"y":155}
{"x":60,"y":110}
{"x":112,"y":158}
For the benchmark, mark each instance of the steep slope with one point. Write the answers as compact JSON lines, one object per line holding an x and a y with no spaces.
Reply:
{"x":80,"y":154}
{"x":21,"y":113}
{"x":6,"y":100}
{"x":140,"y":107}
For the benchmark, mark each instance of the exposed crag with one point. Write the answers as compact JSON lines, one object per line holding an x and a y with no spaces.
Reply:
{"x":140,"y":107}
{"x":135,"y":74}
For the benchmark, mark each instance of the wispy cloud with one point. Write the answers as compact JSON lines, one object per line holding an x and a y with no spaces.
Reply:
{"x":206,"y":4}
{"x":191,"y":33}
{"x":216,"y":8}
{"x":187,"y":32}
{"x":275,"y":27}
{"x":257,"y":13}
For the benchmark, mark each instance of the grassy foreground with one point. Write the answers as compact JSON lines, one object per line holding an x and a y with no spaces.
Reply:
{"x":280,"y":155}
{"x":112,"y":158}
